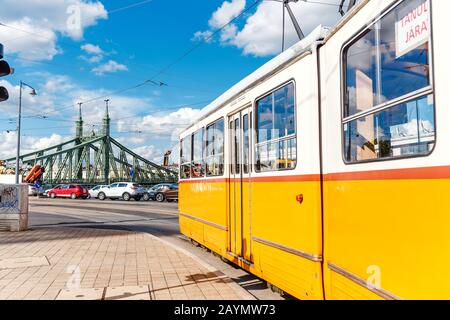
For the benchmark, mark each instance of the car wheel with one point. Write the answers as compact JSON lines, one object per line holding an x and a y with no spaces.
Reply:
{"x":169,"y":200}
{"x":101,"y":196}
{"x":126,"y":196}
{"x":160,"y":197}
{"x":53,"y":196}
{"x":146,"y":197}
{"x":73,"y":196}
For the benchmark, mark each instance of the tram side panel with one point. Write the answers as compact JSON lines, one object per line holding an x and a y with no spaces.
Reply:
{"x":203,"y":212}
{"x":286,"y":205}
{"x":386,"y":221}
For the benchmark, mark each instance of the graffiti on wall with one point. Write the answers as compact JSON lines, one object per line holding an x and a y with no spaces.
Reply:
{"x":9,"y":199}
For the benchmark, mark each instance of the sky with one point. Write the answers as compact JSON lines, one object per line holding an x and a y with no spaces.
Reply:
{"x":158,"y":62}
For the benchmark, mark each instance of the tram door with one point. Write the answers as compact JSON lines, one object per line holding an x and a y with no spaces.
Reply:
{"x":240,"y":125}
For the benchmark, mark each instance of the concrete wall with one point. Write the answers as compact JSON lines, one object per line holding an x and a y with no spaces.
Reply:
{"x":13,"y":207}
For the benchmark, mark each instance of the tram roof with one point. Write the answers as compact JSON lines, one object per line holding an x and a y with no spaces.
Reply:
{"x":267,"y":69}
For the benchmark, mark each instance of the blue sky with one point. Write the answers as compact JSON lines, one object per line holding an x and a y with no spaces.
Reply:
{"x":119,"y":44}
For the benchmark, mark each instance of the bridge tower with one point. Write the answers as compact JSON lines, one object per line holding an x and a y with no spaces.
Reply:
{"x":78,"y":140}
{"x":107,"y":143}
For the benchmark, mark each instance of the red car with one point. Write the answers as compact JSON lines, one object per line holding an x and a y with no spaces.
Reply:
{"x":72,"y":191}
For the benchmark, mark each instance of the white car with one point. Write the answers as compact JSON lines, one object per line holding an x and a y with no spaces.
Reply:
{"x":122,"y":190}
{"x":34,"y":191}
{"x":93,"y":193}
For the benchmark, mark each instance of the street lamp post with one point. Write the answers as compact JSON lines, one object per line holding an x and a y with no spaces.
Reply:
{"x":19,"y":120}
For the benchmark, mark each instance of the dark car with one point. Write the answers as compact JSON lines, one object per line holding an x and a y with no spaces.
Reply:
{"x":72,"y":191}
{"x":163,"y":192}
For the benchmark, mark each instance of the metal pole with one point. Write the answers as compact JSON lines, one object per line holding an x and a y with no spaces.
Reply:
{"x":294,"y":20}
{"x":18,"y":134}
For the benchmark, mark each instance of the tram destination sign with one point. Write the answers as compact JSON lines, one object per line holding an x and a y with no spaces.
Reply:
{"x":413,"y":29}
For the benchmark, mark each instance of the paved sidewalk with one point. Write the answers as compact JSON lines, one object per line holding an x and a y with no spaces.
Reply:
{"x":90,"y":264}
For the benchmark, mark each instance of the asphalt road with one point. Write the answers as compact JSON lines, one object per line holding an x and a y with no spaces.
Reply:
{"x":159,"y":219}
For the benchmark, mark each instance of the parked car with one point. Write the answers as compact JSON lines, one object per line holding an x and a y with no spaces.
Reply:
{"x":122,"y":190}
{"x":34,"y":191}
{"x":73,"y":191}
{"x":151,"y":193}
{"x":93,"y":193}
{"x":164,"y":192}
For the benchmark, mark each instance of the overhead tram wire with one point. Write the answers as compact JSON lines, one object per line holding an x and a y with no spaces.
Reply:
{"x":182,"y":57}
{"x":206,"y":39}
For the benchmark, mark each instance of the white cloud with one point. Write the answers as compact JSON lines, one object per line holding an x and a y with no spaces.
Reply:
{"x":94,"y":52}
{"x":261,"y":34}
{"x":203,"y":36}
{"x":8,"y":143}
{"x":34,"y":26}
{"x":149,"y":152}
{"x":226,"y":12}
{"x":41,"y":103}
{"x":160,"y":124}
{"x":92,"y":49}
{"x":110,"y":67}
{"x":58,"y":83}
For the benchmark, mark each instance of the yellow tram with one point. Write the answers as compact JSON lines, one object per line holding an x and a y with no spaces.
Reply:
{"x":322,"y":172}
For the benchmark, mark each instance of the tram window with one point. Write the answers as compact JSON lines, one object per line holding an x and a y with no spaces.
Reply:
{"x":276,"y":146}
{"x":404,"y":130}
{"x":185,"y":158}
{"x":390,"y":60}
{"x":246,"y":143}
{"x":388,"y":79}
{"x":198,"y":168}
{"x":214,"y":149}
{"x":237,"y":146}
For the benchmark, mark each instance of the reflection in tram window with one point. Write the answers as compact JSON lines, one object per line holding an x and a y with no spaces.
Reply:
{"x":185,"y":158}
{"x":404,"y":130}
{"x":198,"y":168}
{"x":214,"y":149}
{"x":276,"y":146}
{"x":380,"y":67}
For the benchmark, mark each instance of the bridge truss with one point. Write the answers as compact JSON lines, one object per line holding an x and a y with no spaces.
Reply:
{"x":95,"y":159}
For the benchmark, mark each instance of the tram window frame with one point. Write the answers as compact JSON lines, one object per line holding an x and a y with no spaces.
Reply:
{"x":198,"y":159}
{"x":188,"y":161}
{"x":285,"y":139}
{"x":220,"y":164}
{"x":426,"y":92}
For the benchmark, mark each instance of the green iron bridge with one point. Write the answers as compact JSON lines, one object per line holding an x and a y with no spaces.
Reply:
{"x":95,"y":159}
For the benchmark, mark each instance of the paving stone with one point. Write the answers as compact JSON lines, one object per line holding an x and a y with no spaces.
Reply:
{"x":88,"y":264}
{"x":128,"y":293}
{"x":81,"y":294}
{"x":14,"y":263}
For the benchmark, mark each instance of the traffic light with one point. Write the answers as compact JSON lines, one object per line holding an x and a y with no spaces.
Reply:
{"x":5,"y":70}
